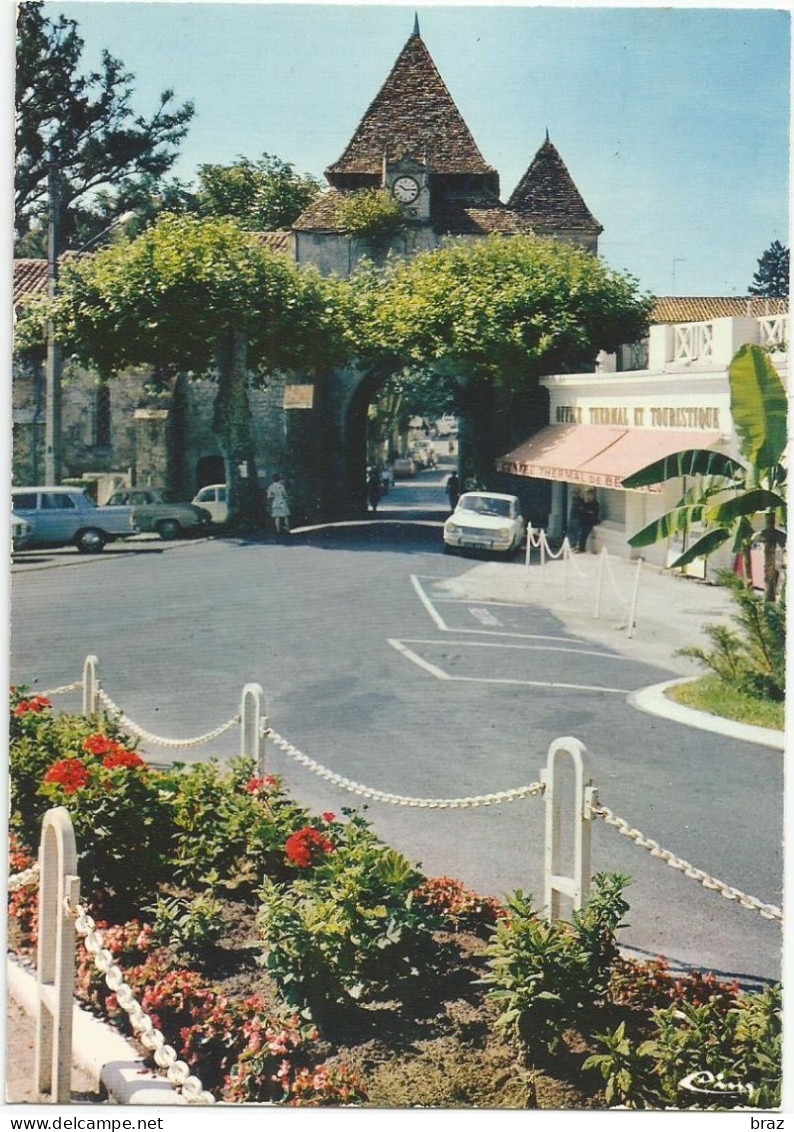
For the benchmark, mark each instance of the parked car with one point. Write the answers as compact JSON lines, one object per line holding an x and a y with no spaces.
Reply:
{"x":212,"y":499}
{"x":485,"y":520}
{"x":21,"y":532}
{"x":158,"y":509}
{"x":403,"y":467}
{"x":60,"y":516}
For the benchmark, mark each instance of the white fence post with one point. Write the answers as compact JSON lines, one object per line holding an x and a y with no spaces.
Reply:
{"x":555,"y":883}
{"x":252,"y":741}
{"x":59,"y":892}
{"x":566,"y":552}
{"x":528,"y":551}
{"x":635,"y":593}
{"x":90,"y":686}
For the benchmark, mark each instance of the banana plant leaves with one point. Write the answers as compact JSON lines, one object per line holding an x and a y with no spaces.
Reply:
{"x":758,"y":407}
{"x":692,"y":462}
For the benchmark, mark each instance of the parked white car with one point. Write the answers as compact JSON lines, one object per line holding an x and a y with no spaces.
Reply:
{"x":59,"y":516}
{"x":158,"y":509}
{"x":213,"y":499}
{"x":485,"y":520}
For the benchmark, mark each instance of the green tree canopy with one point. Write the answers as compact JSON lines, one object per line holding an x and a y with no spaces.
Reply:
{"x":500,"y":311}
{"x":261,"y":195}
{"x":88,"y":117}
{"x":203,"y":297}
{"x":771,"y":279}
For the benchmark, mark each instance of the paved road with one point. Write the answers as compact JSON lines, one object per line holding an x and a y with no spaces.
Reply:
{"x":373,"y":666}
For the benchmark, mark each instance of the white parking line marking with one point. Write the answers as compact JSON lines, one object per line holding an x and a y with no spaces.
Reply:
{"x":530,"y":648}
{"x":427,"y":603}
{"x":551,"y":684}
{"x":409,"y":655}
{"x":483,"y":616}
{"x":442,"y":625}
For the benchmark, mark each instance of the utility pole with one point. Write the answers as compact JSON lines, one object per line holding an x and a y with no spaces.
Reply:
{"x":52,"y":420}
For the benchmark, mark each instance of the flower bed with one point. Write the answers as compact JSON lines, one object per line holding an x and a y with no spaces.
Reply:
{"x":296,"y":959}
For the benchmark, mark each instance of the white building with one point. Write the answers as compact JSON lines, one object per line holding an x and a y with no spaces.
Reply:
{"x":608,"y":424}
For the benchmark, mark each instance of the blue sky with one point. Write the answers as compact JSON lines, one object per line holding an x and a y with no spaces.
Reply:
{"x":673,"y":122}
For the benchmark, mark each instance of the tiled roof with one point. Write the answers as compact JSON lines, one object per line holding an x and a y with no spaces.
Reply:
{"x":412,"y":115}
{"x":547,"y":196}
{"x":30,"y":278}
{"x":705,"y":307}
{"x":321,"y":213}
{"x":477,"y":214}
{"x":278,"y":241}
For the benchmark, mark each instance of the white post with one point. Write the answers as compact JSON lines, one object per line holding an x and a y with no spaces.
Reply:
{"x":59,"y":892}
{"x":528,"y":551}
{"x":566,"y":550}
{"x":90,"y":686}
{"x":635,"y":593}
{"x":600,"y":583}
{"x":542,"y":551}
{"x":252,"y":741}
{"x":555,"y":883}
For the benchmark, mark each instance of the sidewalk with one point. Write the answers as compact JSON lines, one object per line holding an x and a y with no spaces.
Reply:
{"x":671,"y":610}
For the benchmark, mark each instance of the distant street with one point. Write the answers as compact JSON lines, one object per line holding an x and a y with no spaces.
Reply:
{"x":373,"y":670}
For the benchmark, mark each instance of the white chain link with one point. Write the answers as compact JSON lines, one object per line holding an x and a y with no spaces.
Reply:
{"x":177,"y":1072}
{"x":577,"y":569}
{"x":21,"y":880}
{"x":534,"y":540}
{"x":399,"y":799}
{"x":768,"y":911}
{"x":62,"y":689}
{"x":549,"y":552}
{"x":128,"y":725}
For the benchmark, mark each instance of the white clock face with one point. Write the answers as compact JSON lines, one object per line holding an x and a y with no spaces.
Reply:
{"x":405,"y":190}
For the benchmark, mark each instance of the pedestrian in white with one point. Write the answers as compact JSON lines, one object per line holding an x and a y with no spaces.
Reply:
{"x":278,"y":504}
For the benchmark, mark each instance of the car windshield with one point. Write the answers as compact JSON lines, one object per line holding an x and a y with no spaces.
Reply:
{"x":485,"y":505}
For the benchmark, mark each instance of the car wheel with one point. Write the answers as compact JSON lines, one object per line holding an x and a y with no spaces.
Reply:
{"x":90,"y":541}
{"x":168,"y":529}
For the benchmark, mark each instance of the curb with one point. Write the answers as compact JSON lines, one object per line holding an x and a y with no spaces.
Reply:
{"x":88,"y":560}
{"x":653,"y":701}
{"x":98,"y":1049}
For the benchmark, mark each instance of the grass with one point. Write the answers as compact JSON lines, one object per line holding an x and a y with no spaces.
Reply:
{"x":711,"y":694}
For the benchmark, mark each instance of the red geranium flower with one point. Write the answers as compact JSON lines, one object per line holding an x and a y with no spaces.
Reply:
{"x":122,"y":757}
{"x":71,"y":774}
{"x":258,"y":785}
{"x":36,"y":704}
{"x":100,"y":745}
{"x":307,"y":847}
{"x":328,"y":816}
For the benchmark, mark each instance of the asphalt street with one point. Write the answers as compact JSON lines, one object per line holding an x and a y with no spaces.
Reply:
{"x":374,"y":668}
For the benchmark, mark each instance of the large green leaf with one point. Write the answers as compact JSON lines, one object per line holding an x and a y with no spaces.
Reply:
{"x":692,"y":462}
{"x":674,"y":521}
{"x":758,"y":407}
{"x":748,"y":503}
{"x":704,"y":546}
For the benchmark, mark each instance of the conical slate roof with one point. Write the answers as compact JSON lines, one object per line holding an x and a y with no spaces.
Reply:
{"x":412,"y":115}
{"x":547,"y":196}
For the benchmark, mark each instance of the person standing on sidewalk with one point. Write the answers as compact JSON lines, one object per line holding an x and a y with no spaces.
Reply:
{"x":588,"y":518}
{"x":453,"y":491}
{"x":278,"y":504}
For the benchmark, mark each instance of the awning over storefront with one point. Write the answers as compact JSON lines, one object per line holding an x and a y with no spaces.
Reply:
{"x":597,"y":455}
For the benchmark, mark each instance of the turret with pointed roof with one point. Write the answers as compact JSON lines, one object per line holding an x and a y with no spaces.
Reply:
{"x":548,"y":199}
{"x":412,"y":115}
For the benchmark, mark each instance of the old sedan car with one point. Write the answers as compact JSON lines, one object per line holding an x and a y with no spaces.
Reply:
{"x":158,"y":509}
{"x":60,"y":515}
{"x":485,"y":520}
{"x":21,"y":532}
{"x":212,"y":499}
{"x":403,"y":468}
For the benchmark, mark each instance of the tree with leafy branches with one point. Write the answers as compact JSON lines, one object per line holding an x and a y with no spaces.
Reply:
{"x":732,"y":496}
{"x":492,"y":315}
{"x":83,"y":122}
{"x":199,"y":297}
{"x":261,"y":195}
{"x":771,"y":279}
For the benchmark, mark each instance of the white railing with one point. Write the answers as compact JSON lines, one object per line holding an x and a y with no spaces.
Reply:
{"x":693,"y":341}
{"x":773,"y":331}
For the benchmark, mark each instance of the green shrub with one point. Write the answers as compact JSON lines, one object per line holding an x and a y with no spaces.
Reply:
{"x":370,"y":214}
{"x":191,"y":926}
{"x":349,"y":928}
{"x":548,"y":976}
{"x":232,"y":826}
{"x":751,"y":660}
{"x":730,"y":1041}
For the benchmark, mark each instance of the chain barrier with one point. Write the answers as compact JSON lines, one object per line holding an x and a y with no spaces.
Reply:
{"x":587,"y":575}
{"x":613,"y":582}
{"x":549,"y":552}
{"x":23,"y":879}
{"x":768,"y":911}
{"x":399,"y":799}
{"x":165,"y":1056}
{"x":175,"y":744}
{"x":78,"y":684}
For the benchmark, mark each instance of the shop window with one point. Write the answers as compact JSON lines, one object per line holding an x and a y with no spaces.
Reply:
{"x":613,"y":506}
{"x":102,"y":416}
